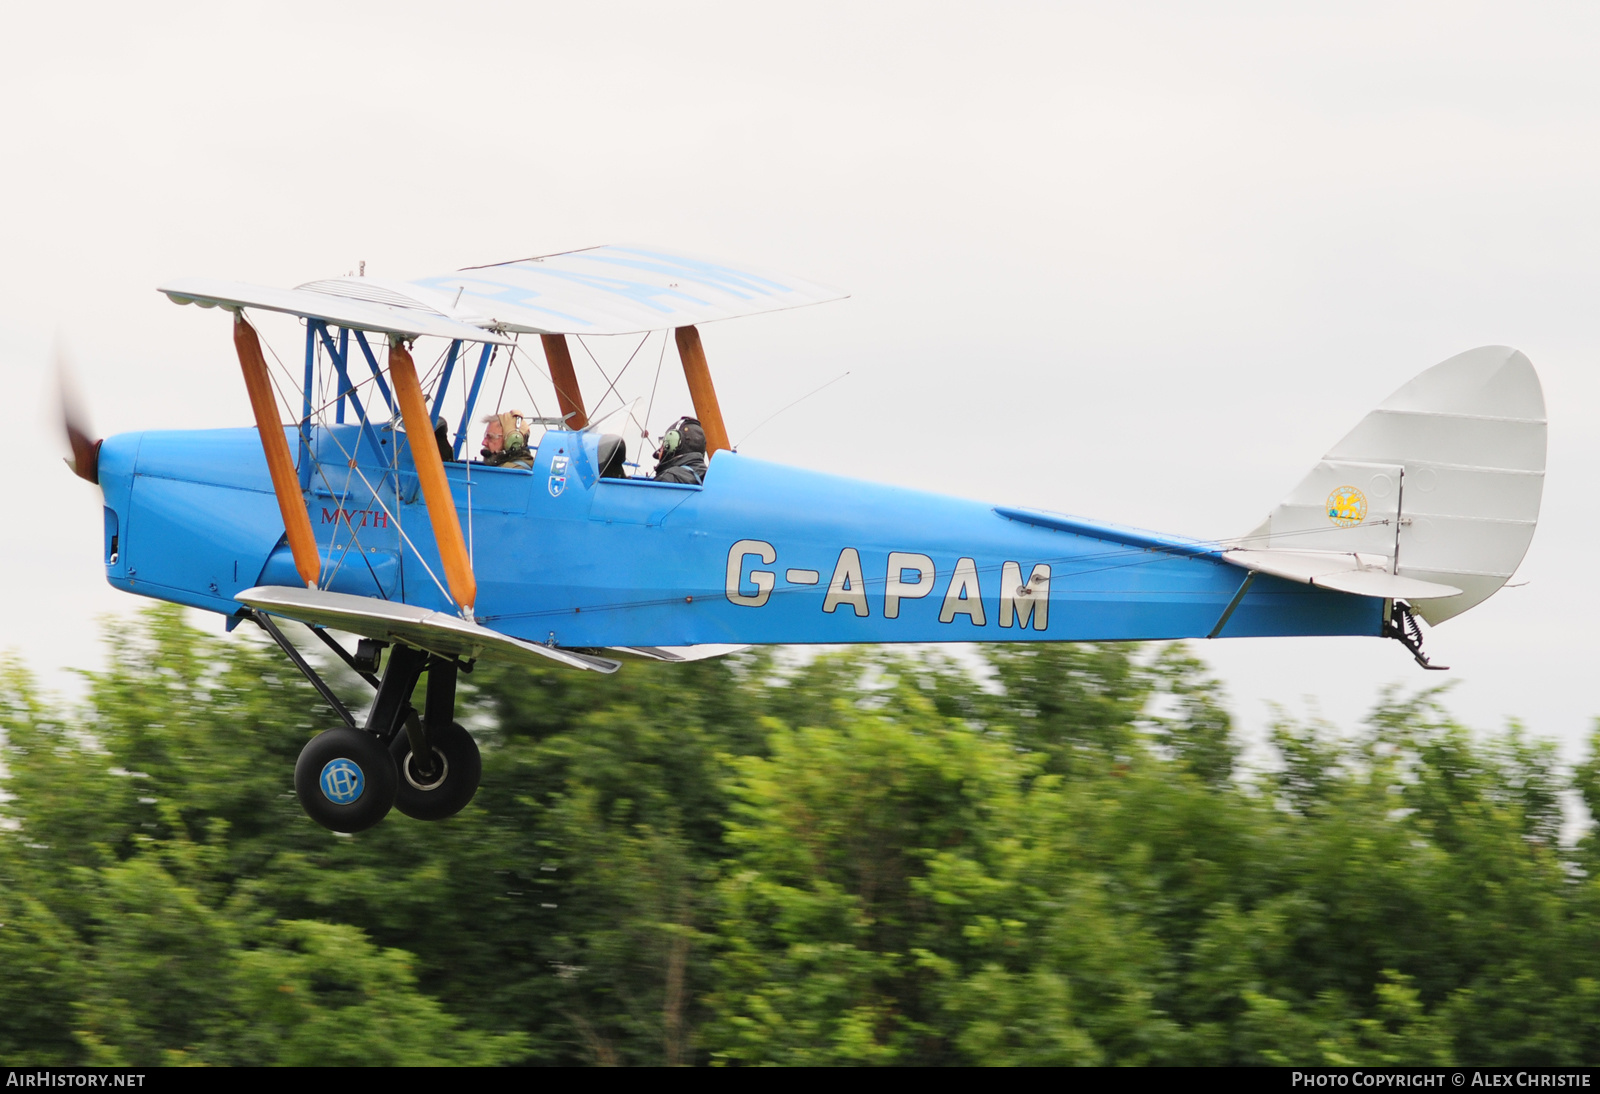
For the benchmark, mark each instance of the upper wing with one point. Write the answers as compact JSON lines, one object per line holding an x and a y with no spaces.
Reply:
{"x":377,"y":308}
{"x":618,"y":290}
{"x":601,"y":290}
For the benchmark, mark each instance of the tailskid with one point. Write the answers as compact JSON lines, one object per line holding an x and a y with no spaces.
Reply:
{"x":1403,"y":627}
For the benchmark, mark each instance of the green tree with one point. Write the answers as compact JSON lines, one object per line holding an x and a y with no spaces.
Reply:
{"x":869,"y":857}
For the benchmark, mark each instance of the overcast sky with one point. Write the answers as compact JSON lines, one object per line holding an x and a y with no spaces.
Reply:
{"x":1140,"y":262}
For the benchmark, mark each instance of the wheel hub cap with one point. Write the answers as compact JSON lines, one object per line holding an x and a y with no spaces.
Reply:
{"x":341,"y":781}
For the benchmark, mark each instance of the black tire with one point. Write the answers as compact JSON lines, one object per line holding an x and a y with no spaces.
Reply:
{"x":345,"y":779}
{"x":448,"y":792}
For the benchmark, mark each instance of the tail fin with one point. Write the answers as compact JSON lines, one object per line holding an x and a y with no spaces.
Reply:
{"x":1440,"y":484}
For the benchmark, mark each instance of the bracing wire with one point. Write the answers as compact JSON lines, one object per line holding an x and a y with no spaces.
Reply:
{"x":613,"y":384}
{"x":511,"y":360}
{"x":289,"y":376}
{"x":341,"y":495}
{"x":654,"y":384}
{"x":394,"y":517}
{"x":523,"y":380}
{"x":788,"y":406}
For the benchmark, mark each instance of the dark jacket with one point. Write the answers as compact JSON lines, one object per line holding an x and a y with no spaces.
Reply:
{"x":688,"y":463}
{"x":683,"y":467}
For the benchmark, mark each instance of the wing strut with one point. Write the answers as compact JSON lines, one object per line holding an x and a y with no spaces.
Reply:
{"x":698,"y":373}
{"x":285,"y":483}
{"x":558,"y":355}
{"x":430,"y":472}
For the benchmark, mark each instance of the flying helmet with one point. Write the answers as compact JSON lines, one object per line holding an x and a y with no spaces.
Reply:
{"x":683,"y":435}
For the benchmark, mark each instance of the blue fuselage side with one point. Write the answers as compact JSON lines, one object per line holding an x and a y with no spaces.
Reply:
{"x":761,"y":553}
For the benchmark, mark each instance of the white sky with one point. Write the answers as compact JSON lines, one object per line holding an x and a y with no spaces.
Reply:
{"x":1141,"y":262}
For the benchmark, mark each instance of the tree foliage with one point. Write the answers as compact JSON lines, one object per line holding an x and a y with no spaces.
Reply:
{"x":871,"y":857}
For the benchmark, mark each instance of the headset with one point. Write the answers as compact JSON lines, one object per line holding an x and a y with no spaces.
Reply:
{"x":511,"y":436}
{"x":673,"y":437}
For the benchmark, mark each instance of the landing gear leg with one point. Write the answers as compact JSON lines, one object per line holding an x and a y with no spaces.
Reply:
{"x":264,"y":621}
{"x":348,"y":778}
{"x":393,"y":700}
{"x":345,"y":778}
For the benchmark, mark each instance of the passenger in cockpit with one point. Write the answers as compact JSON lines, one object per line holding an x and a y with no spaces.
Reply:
{"x":682,"y":455}
{"x":505,"y":441}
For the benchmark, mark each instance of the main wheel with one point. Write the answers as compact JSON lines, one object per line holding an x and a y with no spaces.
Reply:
{"x":445,"y":790}
{"x":345,"y":779}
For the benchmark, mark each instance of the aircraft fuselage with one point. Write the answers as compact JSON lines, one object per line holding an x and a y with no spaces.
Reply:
{"x":761,"y":553}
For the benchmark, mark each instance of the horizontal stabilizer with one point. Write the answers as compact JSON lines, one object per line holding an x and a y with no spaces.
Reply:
{"x":388,"y":621}
{"x":1346,"y":573}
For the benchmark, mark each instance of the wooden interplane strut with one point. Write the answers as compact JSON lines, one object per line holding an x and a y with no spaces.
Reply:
{"x":558,"y":355}
{"x":285,"y":483}
{"x":435,"y":487}
{"x":698,"y":373}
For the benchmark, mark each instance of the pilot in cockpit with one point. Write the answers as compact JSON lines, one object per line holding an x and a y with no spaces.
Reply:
{"x":505,"y":441}
{"x":682,"y":455}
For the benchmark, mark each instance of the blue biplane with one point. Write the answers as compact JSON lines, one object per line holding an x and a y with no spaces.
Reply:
{"x":359,"y":516}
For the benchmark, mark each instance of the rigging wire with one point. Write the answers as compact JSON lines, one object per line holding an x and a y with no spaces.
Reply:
{"x":325,"y":403}
{"x":434,"y":369}
{"x":319,"y":414}
{"x":523,"y":380}
{"x":511,"y":360}
{"x":533,"y":363}
{"x":393,"y":517}
{"x":654,"y":384}
{"x":602,"y":371}
{"x":590,"y":352}
{"x":613,"y":386}
{"x":293,"y":383}
{"x":343,"y":497}
{"x":787,"y":406}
